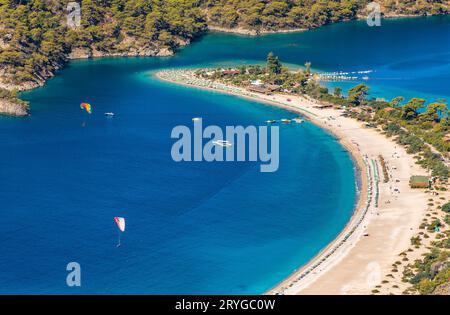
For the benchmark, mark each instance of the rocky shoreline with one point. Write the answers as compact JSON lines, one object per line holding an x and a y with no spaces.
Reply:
{"x":10,"y":108}
{"x":83,"y":53}
{"x":146,"y":51}
{"x":249,"y":32}
{"x":86,"y":53}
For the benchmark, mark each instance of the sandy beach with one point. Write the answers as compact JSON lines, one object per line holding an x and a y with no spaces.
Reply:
{"x":387,"y":214}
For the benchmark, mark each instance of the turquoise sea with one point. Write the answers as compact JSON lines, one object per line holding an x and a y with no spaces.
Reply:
{"x":191,"y":227}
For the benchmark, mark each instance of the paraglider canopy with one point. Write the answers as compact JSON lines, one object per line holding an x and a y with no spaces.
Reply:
{"x":120,"y":223}
{"x":87,"y":107}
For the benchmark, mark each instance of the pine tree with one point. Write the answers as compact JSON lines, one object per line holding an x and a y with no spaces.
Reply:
{"x":273,"y":64}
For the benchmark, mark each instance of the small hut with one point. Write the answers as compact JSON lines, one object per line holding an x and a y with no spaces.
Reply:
{"x":273,"y":87}
{"x":418,"y":181}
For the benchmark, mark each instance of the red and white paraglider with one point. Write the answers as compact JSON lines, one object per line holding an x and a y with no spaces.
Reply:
{"x":121,"y":225}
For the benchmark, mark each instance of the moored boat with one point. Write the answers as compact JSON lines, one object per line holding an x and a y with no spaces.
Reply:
{"x":223,"y":143}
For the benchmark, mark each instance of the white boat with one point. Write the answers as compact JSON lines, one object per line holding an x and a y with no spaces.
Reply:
{"x":109,"y":114}
{"x":271,"y":121}
{"x":223,"y":143}
{"x":298,"y":120}
{"x":196,"y":119}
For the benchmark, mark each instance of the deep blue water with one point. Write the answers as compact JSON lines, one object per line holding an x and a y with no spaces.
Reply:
{"x":191,"y":227}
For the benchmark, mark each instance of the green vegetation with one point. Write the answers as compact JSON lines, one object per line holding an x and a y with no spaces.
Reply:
{"x":11,"y":96}
{"x":35,"y":40}
{"x":423,"y":129}
{"x":273,"y":64}
{"x":305,"y":14}
{"x":274,"y":15}
{"x":414,"y":7}
{"x":415,"y":240}
{"x":446,"y":207}
{"x":358,"y":94}
{"x":274,"y":73}
{"x":425,"y":275}
{"x":431,"y":274}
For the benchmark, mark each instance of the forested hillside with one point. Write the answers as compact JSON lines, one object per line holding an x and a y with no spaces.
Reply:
{"x":35,"y":40}
{"x":274,"y":15}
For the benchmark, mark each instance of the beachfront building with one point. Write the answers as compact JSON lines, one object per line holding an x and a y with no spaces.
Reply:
{"x":418,"y":181}
{"x":259,"y":89}
{"x":273,"y":87}
{"x":230,"y":72}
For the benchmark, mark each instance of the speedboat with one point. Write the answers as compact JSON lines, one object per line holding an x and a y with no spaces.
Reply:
{"x":222,"y":143}
{"x":109,"y":114}
{"x":271,"y":121}
{"x":286,"y":121}
{"x":196,"y":119}
{"x":298,"y":120}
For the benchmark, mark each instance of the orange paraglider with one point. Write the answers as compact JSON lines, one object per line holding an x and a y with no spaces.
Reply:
{"x":86,"y":107}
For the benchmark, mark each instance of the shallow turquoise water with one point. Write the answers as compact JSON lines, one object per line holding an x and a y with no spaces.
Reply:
{"x":191,"y":227}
